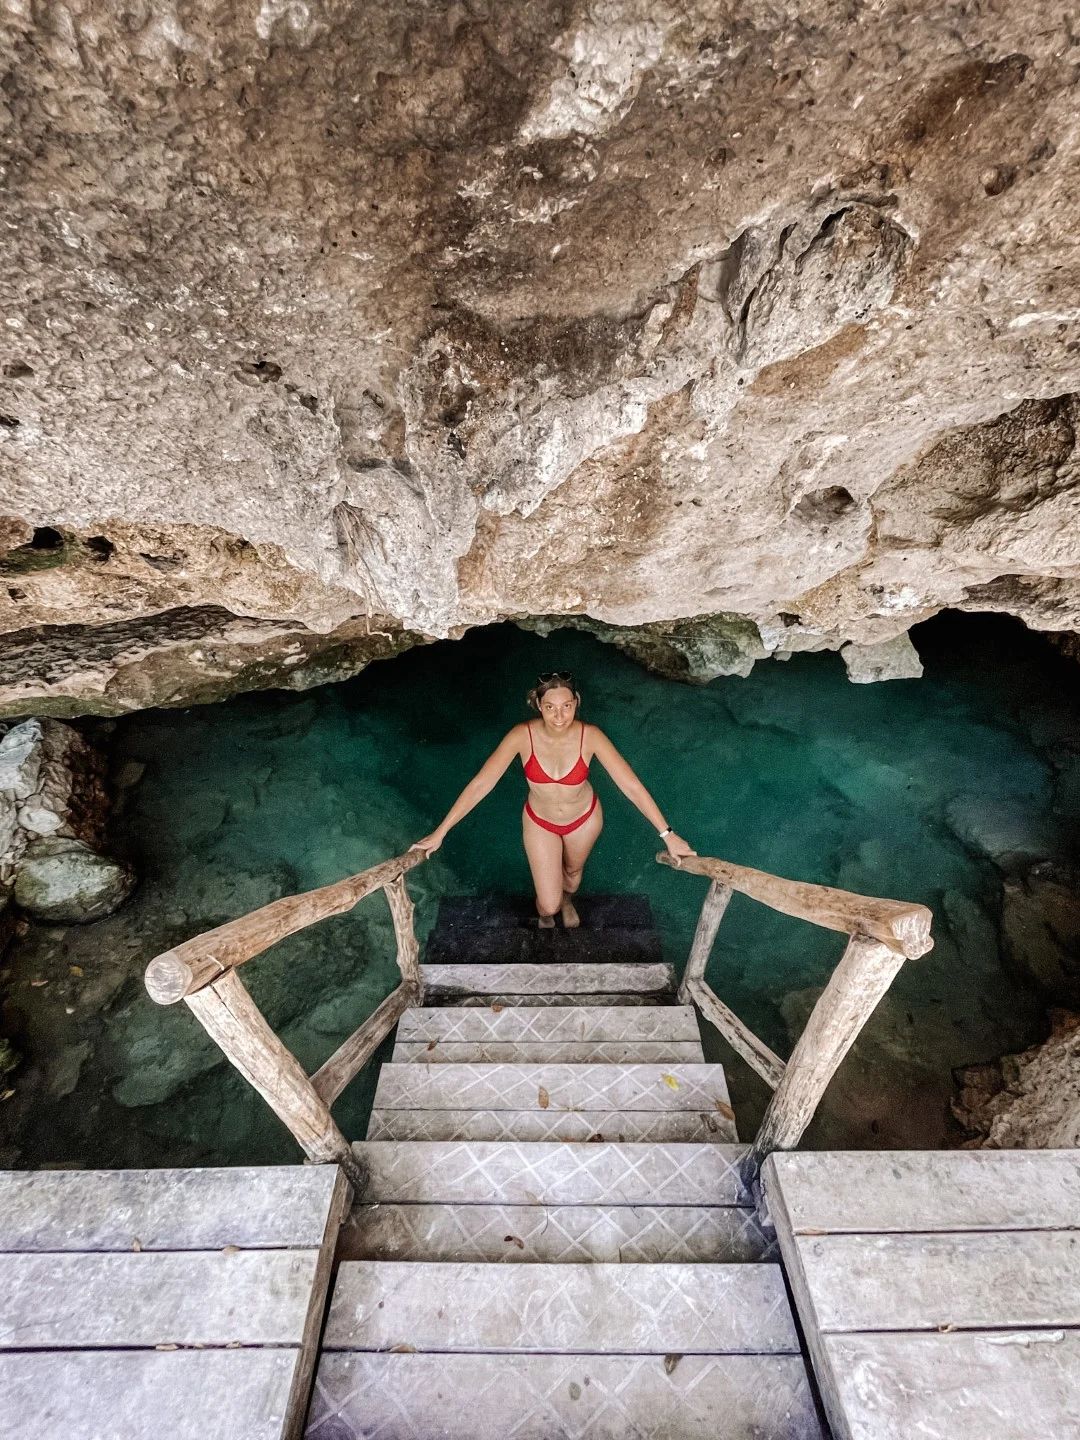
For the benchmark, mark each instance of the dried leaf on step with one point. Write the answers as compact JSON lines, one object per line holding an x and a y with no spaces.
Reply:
{"x":670,"y":1081}
{"x":402,"y":1349}
{"x":166,"y":1347}
{"x":230,"y":1249}
{"x":431,"y":1044}
{"x":514,"y":1240}
{"x":945,"y":1329}
{"x":38,"y":983}
{"x":497,"y":1008}
{"x":670,"y":1361}
{"x":75,"y":969}
{"x":809,"y":1231}
{"x":136,"y":1245}
{"x":544,"y":1098}
{"x":725,"y":1109}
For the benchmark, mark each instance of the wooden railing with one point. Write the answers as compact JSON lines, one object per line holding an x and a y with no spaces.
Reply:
{"x":883,"y":934}
{"x":202,"y":973}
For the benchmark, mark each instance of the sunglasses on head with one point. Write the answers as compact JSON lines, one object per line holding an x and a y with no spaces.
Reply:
{"x":565,"y":677}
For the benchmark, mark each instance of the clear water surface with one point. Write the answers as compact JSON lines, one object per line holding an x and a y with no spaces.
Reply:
{"x":926,"y":790}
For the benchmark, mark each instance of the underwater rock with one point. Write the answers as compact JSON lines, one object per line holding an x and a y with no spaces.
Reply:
{"x":1027,"y":1101}
{"x":895,"y":659}
{"x":64,"y":881}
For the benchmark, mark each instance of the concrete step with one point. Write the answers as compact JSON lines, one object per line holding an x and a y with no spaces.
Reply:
{"x":556,"y":1234}
{"x":466,"y":913}
{"x":619,"y":1126}
{"x":562,"y":1397}
{"x":529,"y":1022}
{"x":562,"y":979}
{"x":537,"y":1309}
{"x":467,"y":1000}
{"x":530,"y":944}
{"x":548,"y":1052}
{"x":508,"y":1172}
{"x":535,"y":1087}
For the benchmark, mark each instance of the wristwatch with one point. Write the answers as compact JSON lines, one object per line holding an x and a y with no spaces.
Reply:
{"x":668,"y":831}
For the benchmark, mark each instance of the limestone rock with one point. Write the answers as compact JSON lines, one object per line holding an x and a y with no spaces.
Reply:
{"x":895,"y":659}
{"x":65,"y":882}
{"x":51,"y":783}
{"x":354,"y":325}
{"x":1026,"y":1101}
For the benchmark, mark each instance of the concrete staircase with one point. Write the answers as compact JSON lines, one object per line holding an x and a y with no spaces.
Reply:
{"x":552,"y":1239}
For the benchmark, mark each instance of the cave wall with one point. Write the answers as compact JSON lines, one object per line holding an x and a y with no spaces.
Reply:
{"x":330,"y":327}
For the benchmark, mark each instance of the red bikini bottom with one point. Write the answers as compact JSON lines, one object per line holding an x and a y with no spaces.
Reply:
{"x":560,"y":829}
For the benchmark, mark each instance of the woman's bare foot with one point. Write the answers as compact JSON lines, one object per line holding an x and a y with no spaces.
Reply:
{"x":570,"y":918}
{"x":547,"y":922}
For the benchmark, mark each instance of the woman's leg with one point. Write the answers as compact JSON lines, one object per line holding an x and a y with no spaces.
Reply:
{"x":545,"y":852}
{"x":575,"y":851}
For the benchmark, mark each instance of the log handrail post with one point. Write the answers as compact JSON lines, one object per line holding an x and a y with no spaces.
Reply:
{"x":855,"y":988}
{"x":230,"y":1017}
{"x":402,"y":912}
{"x":715,"y":903}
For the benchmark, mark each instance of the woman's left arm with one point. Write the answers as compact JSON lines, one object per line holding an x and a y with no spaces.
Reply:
{"x":634,"y":790}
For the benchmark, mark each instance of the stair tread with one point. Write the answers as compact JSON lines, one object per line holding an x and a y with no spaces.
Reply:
{"x":548,"y":1023}
{"x":471,"y":912}
{"x":548,"y":1052}
{"x":556,"y":978}
{"x":549,"y":1173}
{"x":701,"y":1127}
{"x":529,"y":1234}
{"x":562,"y":1397}
{"x":413,"y":1086}
{"x":556,"y":945}
{"x":561,"y":1308}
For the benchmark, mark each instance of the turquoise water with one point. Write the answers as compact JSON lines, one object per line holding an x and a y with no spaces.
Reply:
{"x":926,"y":790}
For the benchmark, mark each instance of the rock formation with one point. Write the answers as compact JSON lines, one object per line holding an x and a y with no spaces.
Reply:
{"x":53,"y":806}
{"x":330,"y":327}
{"x":1029,"y":1101}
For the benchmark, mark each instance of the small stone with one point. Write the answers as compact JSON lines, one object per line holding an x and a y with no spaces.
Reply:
{"x":129,"y":774}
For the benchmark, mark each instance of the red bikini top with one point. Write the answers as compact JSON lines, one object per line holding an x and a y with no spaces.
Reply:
{"x":535,"y":771}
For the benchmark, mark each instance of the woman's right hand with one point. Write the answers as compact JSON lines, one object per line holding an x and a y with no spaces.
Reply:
{"x":429,"y":844}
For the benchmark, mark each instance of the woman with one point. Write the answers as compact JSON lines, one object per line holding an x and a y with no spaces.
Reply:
{"x":562,"y":819}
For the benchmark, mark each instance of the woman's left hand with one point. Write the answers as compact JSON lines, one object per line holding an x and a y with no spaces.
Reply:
{"x":677,"y":846}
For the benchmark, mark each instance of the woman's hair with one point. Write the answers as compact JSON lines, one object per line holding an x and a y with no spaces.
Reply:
{"x":552,"y":680}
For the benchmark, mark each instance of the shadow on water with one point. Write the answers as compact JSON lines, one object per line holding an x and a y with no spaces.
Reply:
{"x":926,"y":790}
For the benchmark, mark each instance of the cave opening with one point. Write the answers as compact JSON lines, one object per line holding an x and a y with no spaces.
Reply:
{"x":960,"y":790}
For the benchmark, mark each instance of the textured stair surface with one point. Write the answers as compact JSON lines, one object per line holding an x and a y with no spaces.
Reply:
{"x":528,"y":1023}
{"x":552,"y":1238}
{"x":683,"y":1234}
{"x":477,"y":1172}
{"x":602,"y":1309}
{"x":656,"y":981}
{"x":562,"y":1397}
{"x":595,"y":1125}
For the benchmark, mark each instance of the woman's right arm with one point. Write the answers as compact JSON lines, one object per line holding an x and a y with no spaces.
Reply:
{"x":482,"y":783}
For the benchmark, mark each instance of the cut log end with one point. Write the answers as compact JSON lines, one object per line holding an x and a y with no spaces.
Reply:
{"x":168,"y":979}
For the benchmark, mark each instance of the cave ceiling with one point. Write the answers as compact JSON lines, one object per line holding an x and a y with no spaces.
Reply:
{"x":330,"y":327}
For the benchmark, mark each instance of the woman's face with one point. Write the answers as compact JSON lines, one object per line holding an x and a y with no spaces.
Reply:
{"x":558,"y":707}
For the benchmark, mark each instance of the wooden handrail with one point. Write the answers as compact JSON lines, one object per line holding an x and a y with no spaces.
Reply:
{"x":900,"y":924}
{"x":188,"y":967}
{"x":882,"y":935}
{"x":202,"y":973}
